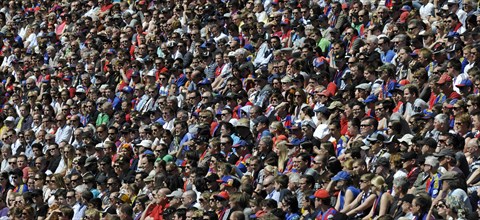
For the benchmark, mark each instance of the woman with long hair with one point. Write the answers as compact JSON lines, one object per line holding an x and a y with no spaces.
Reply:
{"x":289,"y":205}
{"x":363,"y":201}
{"x":300,"y":98}
{"x":56,"y":183}
{"x":383,"y":201}
{"x":68,"y":156}
{"x":278,"y":131}
{"x":282,"y":151}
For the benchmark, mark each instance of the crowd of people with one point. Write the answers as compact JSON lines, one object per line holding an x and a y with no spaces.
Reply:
{"x":239,"y":109}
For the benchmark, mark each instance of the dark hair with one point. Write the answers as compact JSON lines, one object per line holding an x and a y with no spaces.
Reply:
{"x":424,"y":201}
{"x":292,"y":201}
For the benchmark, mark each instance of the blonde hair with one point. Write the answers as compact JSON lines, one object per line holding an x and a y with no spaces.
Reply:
{"x":271,"y":169}
{"x":378,"y":182}
{"x":282,"y":155}
{"x":278,"y":126}
{"x":348,"y":164}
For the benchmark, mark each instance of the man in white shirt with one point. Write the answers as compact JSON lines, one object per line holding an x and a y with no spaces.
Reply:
{"x":64,"y":131}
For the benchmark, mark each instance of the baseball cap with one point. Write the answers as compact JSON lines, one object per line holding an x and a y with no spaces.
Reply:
{"x":444,"y":78}
{"x":175,"y":194}
{"x":445,"y":152}
{"x":335,"y":105}
{"x":222,"y":195}
{"x":342,"y":175}
{"x":321,"y":194}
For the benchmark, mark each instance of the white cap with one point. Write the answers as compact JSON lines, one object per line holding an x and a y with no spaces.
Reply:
{"x":146,"y":143}
{"x":9,"y":119}
{"x":151,"y":72}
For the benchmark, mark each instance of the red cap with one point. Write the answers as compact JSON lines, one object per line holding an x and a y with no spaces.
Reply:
{"x":403,"y":17}
{"x":404,"y":82}
{"x":321,"y":194}
{"x":223,"y":195}
{"x":325,"y":93}
{"x":444,"y":78}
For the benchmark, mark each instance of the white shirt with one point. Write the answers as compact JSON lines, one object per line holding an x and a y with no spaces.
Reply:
{"x":458,"y":80}
{"x":61,"y":166}
{"x":426,"y":11}
{"x":63,"y":134}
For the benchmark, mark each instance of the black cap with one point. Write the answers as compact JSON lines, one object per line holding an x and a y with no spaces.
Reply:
{"x":445,"y":152}
{"x":429,"y":142}
{"x":408,"y":198}
{"x":261,"y":119}
{"x":125,"y":128}
{"x":382,"y":161}
{"x":409,"y":156}
{"x":17,"y":172}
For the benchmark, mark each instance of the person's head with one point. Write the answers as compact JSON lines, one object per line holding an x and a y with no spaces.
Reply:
{"x":368,"y":125}
{"x":289,"y":204}
{"x":189,"y":198}
{"x":125,"y":211}
{"x":420,"y":204}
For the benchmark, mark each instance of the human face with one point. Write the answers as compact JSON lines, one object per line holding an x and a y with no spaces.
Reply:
{"x":364,"y":184}
{"x":415,"y":208}
{"x":21,"y":162}
{"x":366,"y":127}
{"x":53,"y":150}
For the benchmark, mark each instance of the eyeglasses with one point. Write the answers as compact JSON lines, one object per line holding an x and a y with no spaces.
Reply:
{"x":364,"y":125}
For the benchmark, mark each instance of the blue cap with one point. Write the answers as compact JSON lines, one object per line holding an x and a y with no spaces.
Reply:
{"x":224,"y":179}
{"x":296,"y":142}
{"x":451,"y":103}
{"x":148,"y":152}
{"x":323,"y":110}
{"x":342,"y":175}
{"x":318,"y":62}
{"x":406,"y":8}
{"x":240,"y":143}
{"x":322,"y":18}
{"x":111,"y":51}
{"x":127,"y":89}
{"x":204,"y":82}
{"x":248,"y":47}
{"x":428,"y":114}
{"x":371,"y":98}
{"x":453,"y":34}
{"x":68,"y":78}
